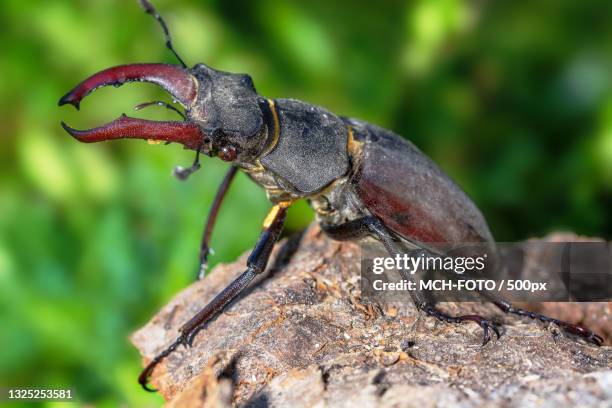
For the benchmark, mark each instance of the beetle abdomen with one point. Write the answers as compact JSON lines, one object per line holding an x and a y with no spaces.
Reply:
{"x":409,"y":193}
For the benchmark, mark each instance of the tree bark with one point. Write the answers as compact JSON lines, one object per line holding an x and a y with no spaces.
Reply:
{"x":303,"y":336}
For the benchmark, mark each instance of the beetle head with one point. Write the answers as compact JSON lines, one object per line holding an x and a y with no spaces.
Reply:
{"x":228,"y":109}
{"x":222,"y":110}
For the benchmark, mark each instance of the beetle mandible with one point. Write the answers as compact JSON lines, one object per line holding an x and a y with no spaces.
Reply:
{"x":363,"y":182}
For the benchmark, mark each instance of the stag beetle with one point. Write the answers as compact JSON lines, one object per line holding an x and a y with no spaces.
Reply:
{"x":363,"y":182}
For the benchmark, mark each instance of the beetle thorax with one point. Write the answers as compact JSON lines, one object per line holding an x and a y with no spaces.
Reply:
{"x":276,"y":190}
{"x":336,"y":204}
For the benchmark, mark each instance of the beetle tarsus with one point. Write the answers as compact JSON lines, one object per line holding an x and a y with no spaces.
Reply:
{"x":143,"y":378}
{"x":203,"y":268}
{"x":484,"y":323}
{"x":183,"y":173}
{"x":575,"y":329}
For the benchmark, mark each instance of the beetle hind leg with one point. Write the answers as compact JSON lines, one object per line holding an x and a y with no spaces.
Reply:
{"x":574,"y":329}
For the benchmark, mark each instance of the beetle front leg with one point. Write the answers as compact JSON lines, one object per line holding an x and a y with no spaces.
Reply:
{"x":183,"y":173}
{"x":212,"y":218}
{"x":272,"y":227}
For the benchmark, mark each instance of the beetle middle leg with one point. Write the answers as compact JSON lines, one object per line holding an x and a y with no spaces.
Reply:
{"x":256,"y":263}
{"x":372,"y":226}
{"x":212,"y":218}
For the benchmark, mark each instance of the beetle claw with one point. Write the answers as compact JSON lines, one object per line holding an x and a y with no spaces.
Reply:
{"x":486,"y":325}
{"x":486,"y":336}
{"x":68,"y":98}
{"x":481,"y":321}
{"x":185,"y":133}
{"x":203,"y":269}
{"x":183,"y":173}
{"x":175,"y":80}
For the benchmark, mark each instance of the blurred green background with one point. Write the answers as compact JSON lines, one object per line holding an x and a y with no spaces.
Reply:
{"x":512,"y":99}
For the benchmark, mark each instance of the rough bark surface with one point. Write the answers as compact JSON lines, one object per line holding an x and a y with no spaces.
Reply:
{"x":302,"y":336}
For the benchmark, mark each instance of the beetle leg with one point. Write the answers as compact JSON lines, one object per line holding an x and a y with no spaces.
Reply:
{"x":256,"y":263}
{"x":350,"y":230}
{"x":362,"y":227}
{"x":212,"y":218}
{"x":571,"y":328}
{"x":395,"y":248}
{"x":183,"y":173}
{"x":575,"y":329}
{"x":370,"y":225}
{"x":481,"y":321}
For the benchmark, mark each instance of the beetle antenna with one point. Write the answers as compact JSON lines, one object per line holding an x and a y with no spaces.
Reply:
{"x":149,"y":9}
{"x":162,"y":104}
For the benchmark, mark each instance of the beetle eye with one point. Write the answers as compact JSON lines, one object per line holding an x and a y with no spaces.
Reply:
{"x":227,"y":153}
{"x":246,"y":80}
